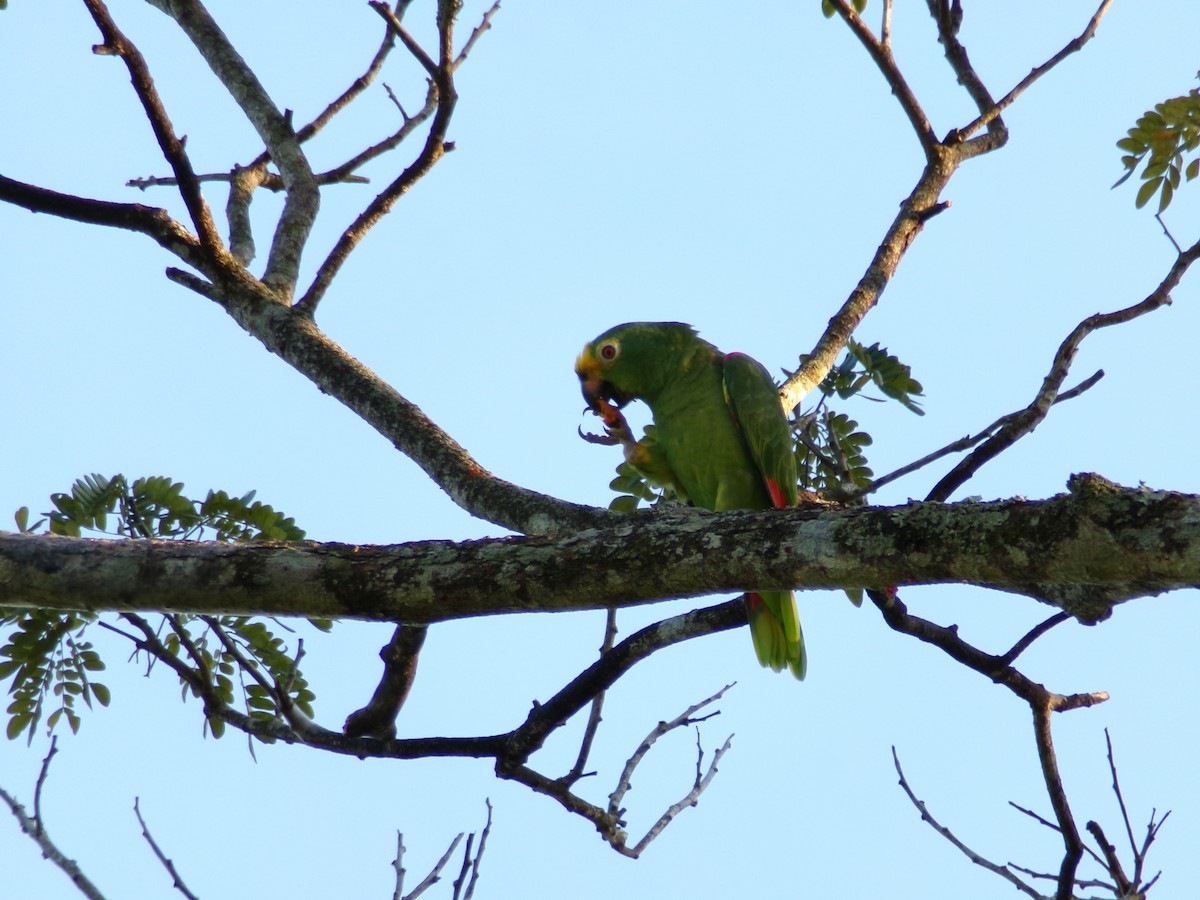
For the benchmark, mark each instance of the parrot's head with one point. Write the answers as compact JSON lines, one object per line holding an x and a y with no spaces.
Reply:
{"x":630,"y":361}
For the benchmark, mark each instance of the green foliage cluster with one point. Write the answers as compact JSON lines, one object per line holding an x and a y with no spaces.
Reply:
{"x":857,"y":5}
{"x":1160,"y":138}
{"x":49,"y":662}
{"x":830,"y":448}
{"x":156,"y":507}
{"x":632,"y":487}
{"x":234,"y":647}
{"x":46,"y":655}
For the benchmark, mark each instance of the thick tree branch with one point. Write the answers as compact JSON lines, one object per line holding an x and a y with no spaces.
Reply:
{"x":1104,"y":542}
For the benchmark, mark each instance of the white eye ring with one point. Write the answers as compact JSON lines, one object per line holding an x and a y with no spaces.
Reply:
{"x":608,"y":351}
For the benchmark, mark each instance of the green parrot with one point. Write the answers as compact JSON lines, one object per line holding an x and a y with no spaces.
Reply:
{"x":721,"y":441}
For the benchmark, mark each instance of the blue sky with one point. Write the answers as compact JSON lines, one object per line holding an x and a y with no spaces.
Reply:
{"x":729,"y":168}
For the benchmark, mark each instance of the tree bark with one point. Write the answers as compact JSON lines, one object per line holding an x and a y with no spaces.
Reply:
{"x":1082,"y":551}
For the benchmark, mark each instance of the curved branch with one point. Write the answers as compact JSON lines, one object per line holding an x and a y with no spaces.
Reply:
{"x":1020,"y":424}
{"x":148,"y":220}
{"x":116,"y":44}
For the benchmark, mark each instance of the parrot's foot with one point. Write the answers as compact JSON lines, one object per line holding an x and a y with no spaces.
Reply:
{"x":616,"y":429}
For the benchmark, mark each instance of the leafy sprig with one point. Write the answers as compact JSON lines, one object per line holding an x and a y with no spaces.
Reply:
{"x":1160,"y":139}
{"x":47,"y":657}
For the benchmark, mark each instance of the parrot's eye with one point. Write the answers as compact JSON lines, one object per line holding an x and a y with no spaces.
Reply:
{"x":609,"y":351}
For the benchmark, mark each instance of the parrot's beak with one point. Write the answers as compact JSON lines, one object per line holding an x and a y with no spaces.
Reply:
{"x":598,"y":393}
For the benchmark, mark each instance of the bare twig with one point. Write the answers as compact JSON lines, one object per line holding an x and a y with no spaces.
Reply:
{"x":1073,"y":46}
{"x":881,"y":53}
{"x":1003,"y":871}
{"x":436,"y":872}
{"x":41,"y":781}
{"x":616,"y":811}
{"x":36,"y":829}
{"x":1020,"y":424}
{"x":483,"y":836}
{"x":1112,"y":863}
{"x":398,"y":865}
{"x":593,"y":722}
{"x":1033,"y":634}
{"x":441,"y":75}
{"x":117,"y":44}
{"x":466,"y":867}
{"x":968,"y":442}
{"x":690,"y":799}
{"x":162,"y":858}
{"x":485,"y":24}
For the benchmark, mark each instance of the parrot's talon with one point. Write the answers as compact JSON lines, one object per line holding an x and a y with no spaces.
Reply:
{"x":606,"y":439}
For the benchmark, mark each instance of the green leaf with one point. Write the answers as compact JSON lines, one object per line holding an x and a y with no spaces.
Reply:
{"x":1193,"y":168}
{"x":1168,"y":191}
{"x":625,"y":504}
{"x":1146,"y":191}
{"x":16,"y":725}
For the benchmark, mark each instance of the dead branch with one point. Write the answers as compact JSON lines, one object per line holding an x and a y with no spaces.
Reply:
{"x":1020,"y":424}
{"x":177,"y":881}
{"x":117,"y":44}
{"x":1003,"y":871}
{"x":35,"y":828}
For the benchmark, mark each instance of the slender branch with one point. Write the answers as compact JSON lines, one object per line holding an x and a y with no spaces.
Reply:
{"x":1112,"y":864}
{"x":35,"y":828}
{"x":435,"y":873}
{"x":1033,"y":634}
{"x":476,"y":33}
{"x":921,"y":204}
{"x":483,"y":836}
{"x":965,"y":443}
{"x":926,"y":816}
{"x":442,"y":76}
{"x":881,"y":53}
{"x":41,"y":781}
{"x":593,"y":722}
{"x":117,"y":44}
{"x":948,"y":17}
{"x":162,"y":858}
{"x":348,"y":96}
{"x":148,"y":220}
{"x":1024,"y":422}
{"x":275,"y":130}
{"x":690,"y":799}
{"x":1073,"y":46}
{"x":398,"y":865}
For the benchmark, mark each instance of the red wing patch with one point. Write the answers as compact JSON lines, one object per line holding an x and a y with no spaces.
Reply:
{"x":776,"y":493}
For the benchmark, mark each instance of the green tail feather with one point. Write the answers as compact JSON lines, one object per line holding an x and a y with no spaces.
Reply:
{"x":775,"y":628}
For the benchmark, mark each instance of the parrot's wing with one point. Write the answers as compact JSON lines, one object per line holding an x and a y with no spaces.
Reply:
{"x":754,"y":401}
